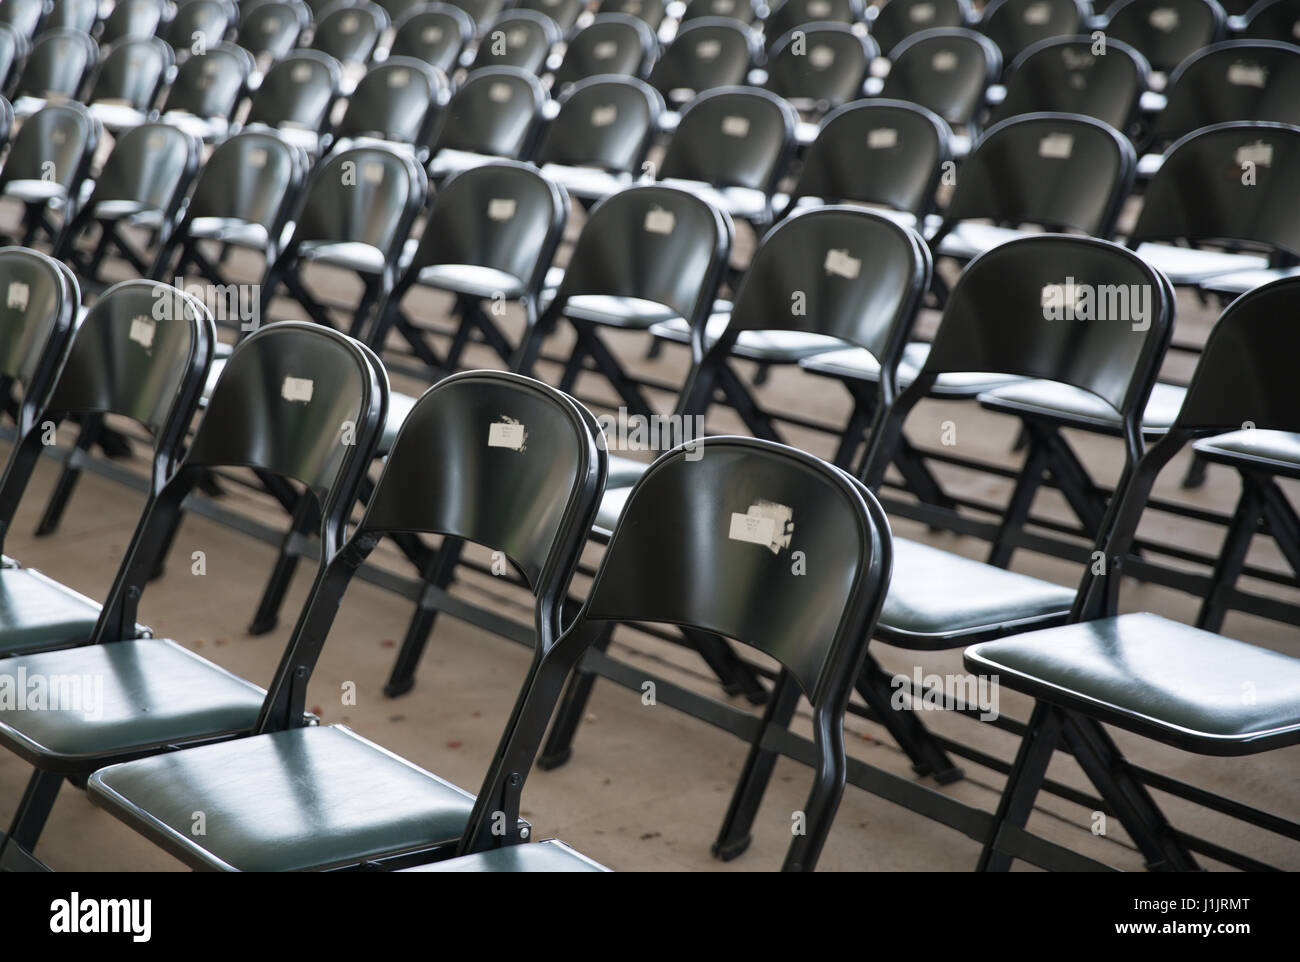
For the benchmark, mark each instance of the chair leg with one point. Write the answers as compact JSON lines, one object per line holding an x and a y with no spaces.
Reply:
{"x":920,"y":479}
{"x":736,"y":832}
{"x":25,"y":830}
{"x":268,"y":609}
{"x":905,"y":726}
{"x":441,"y":570}
{"x":1022,"y":498}
{"x":91,"y":428}
{"x":559,"y":741}
{"x":1232,"y":557}
{"x":1024,"y":781}
{"x":736,"y":677}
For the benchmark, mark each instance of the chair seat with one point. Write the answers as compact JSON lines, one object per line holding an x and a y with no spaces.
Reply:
{"x":473,"y":280}
{"x":304,"y":137}
{"x":207,"y":129}
{"x":146,"y":693}
{"x":448,"y":161}
{"x":132,"y":210}
{"x":1148,"y":164}
{"x":1185,"y":265}
{"x":938,"y":599}
{"x":35,"y":191}
{"x":1177,"y":684}
{"x":967,"y":240}
{"x":772,"y":346}
{"x":117,"y":116}
{"x":611,"y":506}
{"x":859,"y":364}
{"x":587,"y":183}
{"x":37,"y":613}
{"x":300,"y":799}
{"x":1278,"y":451}
{"x":399,"y":406}
{"x":1239,"y":282}
{"x":745,"y":203}
{"x":352,"y":255}
{"x":1079,"y":408}
{"x":551,"y":855}
{"x":230,"y":230}
{"x":623,"y":472}
{"x":612,"y":311}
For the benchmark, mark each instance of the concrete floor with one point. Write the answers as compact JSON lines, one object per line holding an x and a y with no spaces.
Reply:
{"x":647,"y":786}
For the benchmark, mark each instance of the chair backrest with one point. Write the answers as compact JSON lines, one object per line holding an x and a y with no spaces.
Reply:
{"x":67,"y":14}
{"x":1229,"y":182}
{"x":1272,"y":20}
{"x":1015,"y":24}
{"x":253,"y":177}
{"x":23,"y":15}
{"x":7,"y":120}
{"x":300,"y":89}
{"x":1069,"y":75}
{"x":788,"y":14}
{"x":211,"y":85}
{"x":480,"y":11}
{"x":365,"y":194}
{"x":397,"y":9}
{"x":435,"y":33}
{"x":503,"y":215}
{"x":517,"y":38}
{"x":732,"y":137}
{"x":349,"y":33}
{"x":896,"y":20}
{"x":271,"y":30}
{"x":13,"y":49}
{"x":605,"y":122}
{"x":1075,"y":310}
{"x":133,"y":18}
{"x":200,"y":25}
{"x":651,"y":11}
{"x":564,"y":13}
{"x":56,"y":143}
{"x":394,"y":101}
{"x":820,"y":63}
{"x":57,"y":64}
{"x":947,"y":69}
{"x":905,"y":149}
{"x":706,"y":53}
{"x":1166,"y":32}
{"x":1058,"y":171}
{"x":742,"y":11}
{"x":1233,"y":80}
{"x":152,"y":164}
{"x":494,"y":112}
{"x":611,"y":44}
{"x":39,"y":310}
{"x":133,"y":71}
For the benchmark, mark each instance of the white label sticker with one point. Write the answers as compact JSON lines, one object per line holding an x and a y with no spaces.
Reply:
{"x":499,"y":93}
{"x":605,"y":50}
{"x":399,"y":78}
{"x":747,"y":527}
{"x":604,"y":116}
{"x":157,"y":141}
{"x":660,"y":221}
{"x":819,"y":9}
{"x":1038,"y":14}
{"x":507,"y":434}
{"x":735,"y":126}
{"x":517,"y":38}
{"x":501,"y":208}
{"x":945,"y":61}
{"x":18,"y":296}
{"x":257,"y":157}
{"x":270,"y":24}
{"x":724,"y":6}
{"x":1295,"y":29}
{"x":882,"y":138}
{"x":142,"y":331}
{"x":431,"y":34}
{"x":708,"y":49}
{"x":1243,"y":74}
{"x":1056,"y":146}
{"x":921,"y":13}
{"x":1259,"y":153}
{"x":840,"y":263}
{"x":349,"y":24}
{"x":766,"y":523}
{"x":1164,"y":19}
{"x":296,"y":389}
{"x":821,"y":57}
{"x":301,"y":73}
{"x":373,"y":173}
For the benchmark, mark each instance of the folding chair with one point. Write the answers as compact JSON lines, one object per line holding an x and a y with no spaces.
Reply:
{"x":397,"y":9}
{"x":13,"y":51}
{"x":481,"y":12}
{"x":269,"y":31}
{"x":742,"y":11}
{"x":1164,"y":33}
{"x":536,"y":490}
{"x":611,"y":44}
{"x":1016,"y":24}
{"x":55,"y":69}
{"x":47,"y":163}
{"x":132,"y":19}
{"x":23,"y":15}
{"x":394,"y":102}
{"x":564,"y":13}
{"x":207,"y":92}
{"x":128,"y":82}
{"x":517,"y":38}
{"x":646,"y":254}
{"x":818,"y":66}
{"x":296,"y":97}
{"x":435,"y":33}
{"x":493,"y":115}
{"x":491,"y":236}
{"x":143,"y":184}
{"x":896,"y":20}
{"x":69,"y":15}
{"x":786,"y":15}
{"x":1180,"y":686}
{"x":707,"y":52}
{"x":1270,"y":20}
{"x":1250,"y":212}
{"x":199,"y":25}
{"x":349,"y":33}
{"x":1064,"y":75}
{"x":652,"y":12}
{"x":598,"y":141}
{"x":949,"y":71}
{"x":287,"y":397}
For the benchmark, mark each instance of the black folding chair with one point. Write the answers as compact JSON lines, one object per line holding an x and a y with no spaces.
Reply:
{"x":598,"y":141}
{"x":143,"y":183}
{"x":1165,"y":33}
{"x":208,"y":91}
{"x":708,"y":52}
{"x":1181,"y":686}
{"x":895,"y":20}
{"x":269,"y":31}
{"x":1065,"y":75}
{"x":296,"y":98}
{"x":290,"y":400}
{"x":1270,"y":20}
{"x":395,"y":102}
{"x":1016,"y":24}
{"x":23,"y":15}
{"x":493,"y":115}
{"x":67,"y":15}
{"x":56,"y":67}
{"x":818,"y":66}
{"x":536,"y":489}
{"x":480,"y":12}
{"x":349,"y":32}
{"x":199,"y":25}
{"x":47,"y":164}
{"x":948,"y":70}
{"x":128,"y":82}
{"x":652,"y":12}
{"x":435,"y":33}
{"x":611,"y":44}
{"x":564,"y":13}
{"x":517,"y":38}
{"x":786,"y":15}
{"x":13,"y":51}
{"x":132,"y":19}
{"x":491,"y":237}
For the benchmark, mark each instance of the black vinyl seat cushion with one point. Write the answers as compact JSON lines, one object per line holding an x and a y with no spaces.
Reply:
{"x":859,"y":364}
{"x":1075,"y":407}
{"x":473,"y":280}
{"x":551,"y":855}
{"x":314,"y":797}
{"x":1186,"y":265}
{"x":1180,"y":685}
{"x":153,"y":692}
{"x":38,"y":613}
{"x":1239,"y":282}
{"x":779,"y":347}
{"x":1276,"y":451}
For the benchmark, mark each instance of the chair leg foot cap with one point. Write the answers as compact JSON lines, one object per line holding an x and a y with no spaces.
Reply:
{"x":396,"y":689}
{"x":728,"y":850}
{"x":553,"y":760}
